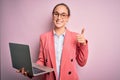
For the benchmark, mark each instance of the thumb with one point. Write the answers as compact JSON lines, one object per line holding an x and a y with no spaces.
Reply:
{"x":83,"y":30}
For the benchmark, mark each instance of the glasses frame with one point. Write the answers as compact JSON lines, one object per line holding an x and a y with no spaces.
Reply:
{"x":62,"y":15}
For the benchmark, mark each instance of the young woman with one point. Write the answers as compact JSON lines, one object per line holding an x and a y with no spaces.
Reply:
{"x":61,"y":49}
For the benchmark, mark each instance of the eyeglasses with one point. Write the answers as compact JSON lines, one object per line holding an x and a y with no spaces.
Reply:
{"x":62,"y":15}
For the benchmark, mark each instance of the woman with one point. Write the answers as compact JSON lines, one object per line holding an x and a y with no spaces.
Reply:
{"x":61,"y":48}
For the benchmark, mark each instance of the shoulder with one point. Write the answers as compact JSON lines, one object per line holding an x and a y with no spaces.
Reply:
{"x":45,"y":35}
{"x":71,"y":33}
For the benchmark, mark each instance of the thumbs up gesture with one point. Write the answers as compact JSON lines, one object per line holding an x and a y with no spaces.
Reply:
{"x":81,"y":38}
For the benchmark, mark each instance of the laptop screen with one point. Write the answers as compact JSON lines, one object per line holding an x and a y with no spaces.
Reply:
{"x":20,"y":56}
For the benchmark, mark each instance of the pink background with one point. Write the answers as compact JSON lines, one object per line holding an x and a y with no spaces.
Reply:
{"x":24,"y":20}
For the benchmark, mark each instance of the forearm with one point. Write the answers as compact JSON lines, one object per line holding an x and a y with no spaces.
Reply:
{"x":82,"y":53}
{"x":40,"y":61}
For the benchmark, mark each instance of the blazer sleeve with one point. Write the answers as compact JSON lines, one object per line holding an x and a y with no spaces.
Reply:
{"x":40,"y":60}
{"x":81,"y":53}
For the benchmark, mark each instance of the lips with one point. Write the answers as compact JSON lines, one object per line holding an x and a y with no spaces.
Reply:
{"x":59,"y":22}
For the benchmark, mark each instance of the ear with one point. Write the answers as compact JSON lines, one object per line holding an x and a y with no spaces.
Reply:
{"x":67,"y":19}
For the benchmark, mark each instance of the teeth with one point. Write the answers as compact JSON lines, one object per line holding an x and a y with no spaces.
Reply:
{"x":58,"y":22}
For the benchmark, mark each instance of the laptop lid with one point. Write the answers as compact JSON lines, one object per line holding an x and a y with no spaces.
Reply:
{"x":20,"y":56}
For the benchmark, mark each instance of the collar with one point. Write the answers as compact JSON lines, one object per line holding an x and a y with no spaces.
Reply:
{"x":56,"y":33}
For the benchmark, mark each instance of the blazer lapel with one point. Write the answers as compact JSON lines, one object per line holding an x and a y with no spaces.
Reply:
{"x":52,"y":50}
{"x":65,"y":51}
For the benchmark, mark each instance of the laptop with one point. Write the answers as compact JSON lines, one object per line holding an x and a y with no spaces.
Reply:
{"x":20,"y":56}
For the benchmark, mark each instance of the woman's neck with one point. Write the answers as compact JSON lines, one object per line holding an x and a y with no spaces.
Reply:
{"x":59,"y":31}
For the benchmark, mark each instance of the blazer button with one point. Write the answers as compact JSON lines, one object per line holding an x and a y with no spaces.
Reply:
{"x":71,"y":60}
{"x":48,"y":73}
{"x":46,"y":60}
{"x":69,"y":72}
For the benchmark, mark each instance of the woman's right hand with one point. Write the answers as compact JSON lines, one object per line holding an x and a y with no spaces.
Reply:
{"x":23,"y":72}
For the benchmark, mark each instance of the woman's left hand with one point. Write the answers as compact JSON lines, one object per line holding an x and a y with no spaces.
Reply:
{"x":80,"y":37}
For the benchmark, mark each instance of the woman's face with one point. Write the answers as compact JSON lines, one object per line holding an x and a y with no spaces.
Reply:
{"x":60,"y":16}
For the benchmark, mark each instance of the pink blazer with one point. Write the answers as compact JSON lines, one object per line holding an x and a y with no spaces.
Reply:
{"x":72,"y":52}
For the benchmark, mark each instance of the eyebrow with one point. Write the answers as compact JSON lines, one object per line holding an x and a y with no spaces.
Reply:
{"x":60,"y":13}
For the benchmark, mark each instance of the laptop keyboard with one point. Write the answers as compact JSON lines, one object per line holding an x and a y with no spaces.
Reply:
{"x":36,"y":70}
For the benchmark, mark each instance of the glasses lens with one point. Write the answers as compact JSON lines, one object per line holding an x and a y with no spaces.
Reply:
{"x":62,"y":15}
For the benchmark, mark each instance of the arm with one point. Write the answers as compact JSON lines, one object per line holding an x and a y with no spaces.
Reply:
{"x":81,"y":49}
{"x":82,"y":53}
